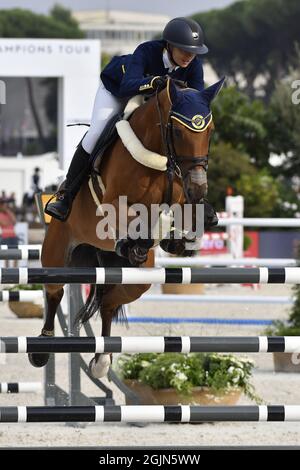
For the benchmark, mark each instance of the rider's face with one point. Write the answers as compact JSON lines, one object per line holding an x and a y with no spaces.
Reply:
{"x":182,"y":58}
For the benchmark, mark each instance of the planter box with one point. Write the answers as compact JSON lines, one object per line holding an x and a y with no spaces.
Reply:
{"x":169,"y":396}
{"x":183,"y":289}
{"x":26,"y":309}
{"x":284,"y":362}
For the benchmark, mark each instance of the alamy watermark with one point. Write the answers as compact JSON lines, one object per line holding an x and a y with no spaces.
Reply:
{"x":141,"y":222}
{"x":2,"y":92}
{"x":296,"y":94}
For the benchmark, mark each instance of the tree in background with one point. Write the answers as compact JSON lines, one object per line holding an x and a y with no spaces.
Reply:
{"x":241,"y":122}
{"x":18,"y":23}
{"x":226,"y":165}
{"x":105,"y":59}
{"x":283,"y":123}
{"x":265,"y":195}
{"x":261,"y":193}
{"x":64,"y":16}
{"x":251,"y":40}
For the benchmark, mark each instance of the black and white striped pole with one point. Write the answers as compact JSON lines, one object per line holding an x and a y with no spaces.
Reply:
{"x":287,"y":275}
{"x":20,"y":254}
{"x":21,"y":295}
{"x":20,"y":387}
{"x":148,"y":414}
{"x":150,"y":344}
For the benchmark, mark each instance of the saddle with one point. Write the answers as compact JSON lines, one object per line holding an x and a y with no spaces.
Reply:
{"x":110,"y":134}
{"x":106,"y":139}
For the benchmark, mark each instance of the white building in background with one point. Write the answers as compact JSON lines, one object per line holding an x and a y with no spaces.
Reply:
{"x":120,"y":32}
{"x":76,"y":64}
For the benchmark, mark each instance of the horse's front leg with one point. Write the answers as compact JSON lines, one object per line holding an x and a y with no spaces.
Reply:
{"x":54,"y":294}
{"x":136,"y":251}
{"x":54,"y":254}
{"x":133,"y":232}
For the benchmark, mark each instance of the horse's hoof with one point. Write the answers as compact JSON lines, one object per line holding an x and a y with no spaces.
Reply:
{"x":137,"y":255}
{"x":101,"y":367}
{"x":38,"y":360}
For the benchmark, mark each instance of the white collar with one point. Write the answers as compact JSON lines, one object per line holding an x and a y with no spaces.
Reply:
{"x":167,"y":62}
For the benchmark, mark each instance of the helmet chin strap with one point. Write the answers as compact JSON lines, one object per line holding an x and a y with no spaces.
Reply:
{"x":171,"y":55}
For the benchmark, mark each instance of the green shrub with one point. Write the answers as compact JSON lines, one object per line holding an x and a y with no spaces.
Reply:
{"x":185,"y":371}
{"x":27,"y":287}
{"x":292,"y":326}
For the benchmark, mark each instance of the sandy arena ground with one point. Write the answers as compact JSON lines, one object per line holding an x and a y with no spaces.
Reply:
{"x":273,"y":388}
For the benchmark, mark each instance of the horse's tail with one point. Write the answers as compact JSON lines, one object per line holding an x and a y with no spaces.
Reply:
{"x":89,"y":256}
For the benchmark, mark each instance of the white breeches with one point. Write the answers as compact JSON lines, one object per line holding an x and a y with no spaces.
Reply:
{"x":105,"y":106}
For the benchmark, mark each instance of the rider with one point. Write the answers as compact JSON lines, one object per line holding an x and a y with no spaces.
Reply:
{"x":176,"y":55}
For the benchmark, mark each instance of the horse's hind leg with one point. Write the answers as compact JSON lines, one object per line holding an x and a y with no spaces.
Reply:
{"x":54,"y":254}
{"x":100,"y":363}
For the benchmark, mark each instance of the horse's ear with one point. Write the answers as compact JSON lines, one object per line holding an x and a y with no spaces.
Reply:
{"x":212,"y":91}
{"x":173,"y":92}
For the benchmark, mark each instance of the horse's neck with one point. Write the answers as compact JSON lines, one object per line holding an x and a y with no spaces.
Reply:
{"x":145,"y":124}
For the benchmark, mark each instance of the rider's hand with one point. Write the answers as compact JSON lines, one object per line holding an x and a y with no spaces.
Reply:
{"x":159,"y":82}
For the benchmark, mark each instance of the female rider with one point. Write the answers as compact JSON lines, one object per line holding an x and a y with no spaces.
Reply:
{"x":176,"y":55}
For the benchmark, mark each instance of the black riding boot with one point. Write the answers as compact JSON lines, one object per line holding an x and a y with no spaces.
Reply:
{"x":78,"y":170}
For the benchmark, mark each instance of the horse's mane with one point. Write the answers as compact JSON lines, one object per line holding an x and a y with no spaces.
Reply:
{"x":179,"y":83}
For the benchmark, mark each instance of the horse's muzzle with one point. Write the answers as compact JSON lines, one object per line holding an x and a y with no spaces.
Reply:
{"x":195,"y":185}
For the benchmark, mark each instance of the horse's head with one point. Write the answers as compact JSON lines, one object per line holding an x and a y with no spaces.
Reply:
{"x":187,"y":123}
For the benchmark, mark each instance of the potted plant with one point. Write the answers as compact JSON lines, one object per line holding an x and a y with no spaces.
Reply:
{"x":183,"y":289}
{"x":195,"y":378}
{"x":27,"y":309}
{"x":287,"y":362}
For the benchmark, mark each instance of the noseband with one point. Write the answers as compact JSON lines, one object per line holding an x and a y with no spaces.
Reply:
{"x":175,"y":162}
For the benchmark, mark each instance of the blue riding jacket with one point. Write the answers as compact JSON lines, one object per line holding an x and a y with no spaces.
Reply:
{"x":129,"y":75}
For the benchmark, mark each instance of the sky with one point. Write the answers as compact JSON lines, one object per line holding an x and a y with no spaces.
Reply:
{"x":165,"y":7}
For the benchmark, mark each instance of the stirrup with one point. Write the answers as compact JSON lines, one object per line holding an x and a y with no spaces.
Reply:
{"x":55,"y":195}
{"x":60,"y":196}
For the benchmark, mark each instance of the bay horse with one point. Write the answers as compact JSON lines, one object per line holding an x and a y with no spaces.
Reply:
{"x":172,"y":126}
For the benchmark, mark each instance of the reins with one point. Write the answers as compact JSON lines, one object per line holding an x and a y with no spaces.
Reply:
{"x":174,"y":161}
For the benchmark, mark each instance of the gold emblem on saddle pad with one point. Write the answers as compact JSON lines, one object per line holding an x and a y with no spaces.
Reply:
{"x":198,"y":121}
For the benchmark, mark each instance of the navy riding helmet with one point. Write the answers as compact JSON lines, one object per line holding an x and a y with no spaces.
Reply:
{"x":185,"y":34}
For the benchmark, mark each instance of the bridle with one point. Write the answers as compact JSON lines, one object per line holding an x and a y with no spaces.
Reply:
{"x":175,"y":161}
